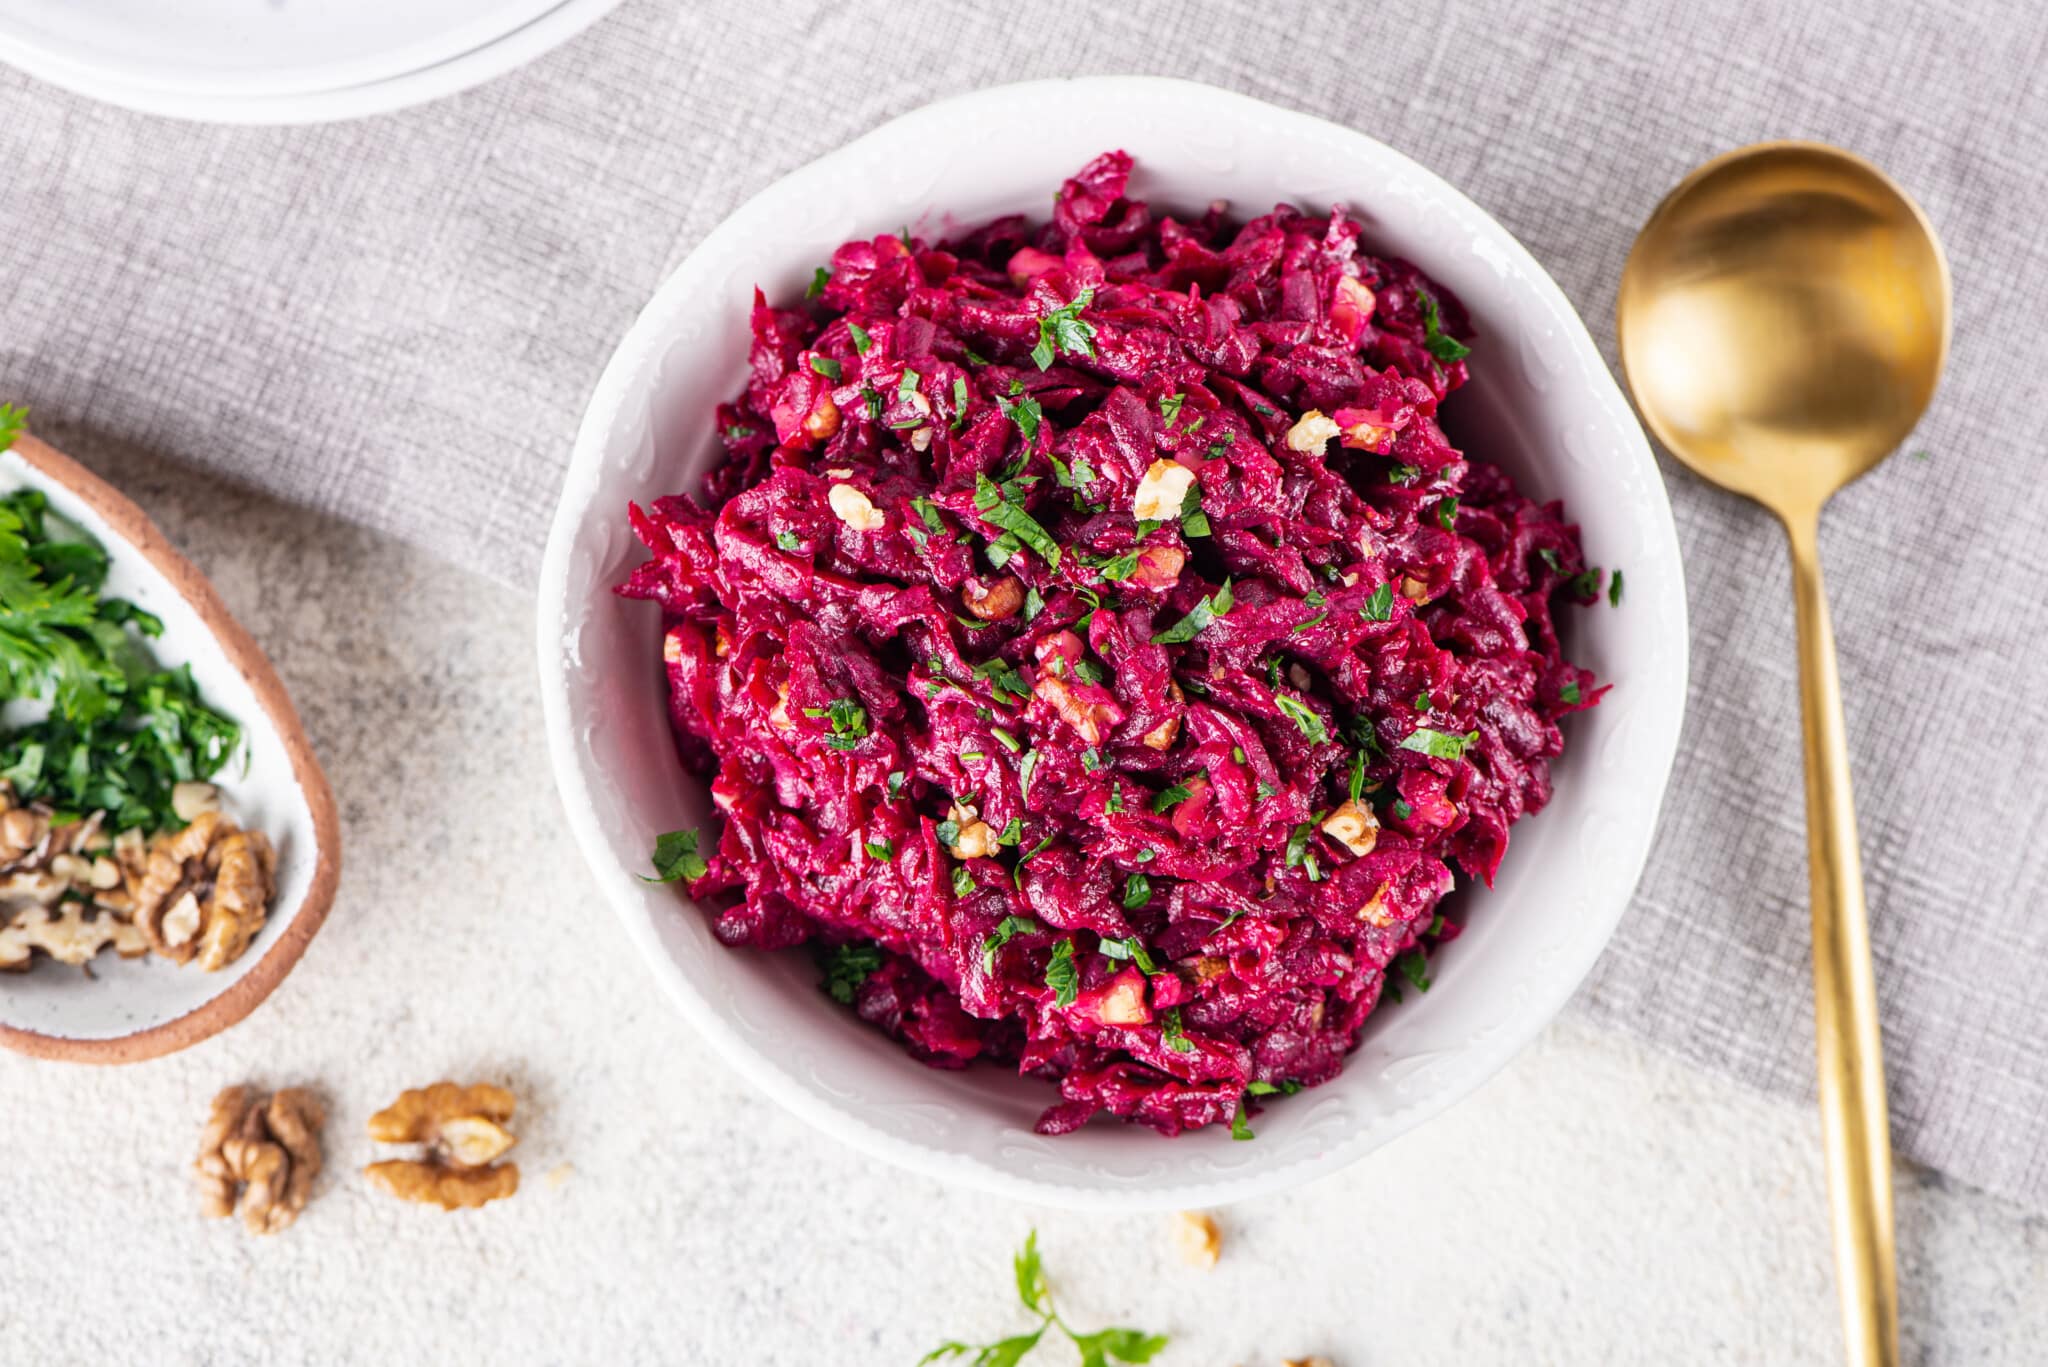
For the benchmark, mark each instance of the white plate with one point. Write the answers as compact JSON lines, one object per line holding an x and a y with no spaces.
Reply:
{"x":243,"y":48}
{"x":1541,"y":403}
{"x":556,"y":25}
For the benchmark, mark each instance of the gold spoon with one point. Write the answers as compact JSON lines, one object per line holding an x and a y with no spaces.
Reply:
{"x":1784,"y":316}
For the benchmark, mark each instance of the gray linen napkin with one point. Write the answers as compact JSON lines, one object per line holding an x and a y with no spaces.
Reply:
{"x":397,"y":321}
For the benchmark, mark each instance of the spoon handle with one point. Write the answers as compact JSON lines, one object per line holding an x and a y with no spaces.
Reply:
{"x":1852,"y":1098}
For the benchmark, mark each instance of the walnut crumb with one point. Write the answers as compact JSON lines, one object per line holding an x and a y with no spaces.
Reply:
{"x":259,"y":1156}
{"x":1199,"y":1240}
{"x":463,"y":1133}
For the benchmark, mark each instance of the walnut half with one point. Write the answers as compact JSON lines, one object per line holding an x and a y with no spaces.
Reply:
{"x":266,"y":1153}
{"x":463,"y":1129}
{"x":206,"y":891}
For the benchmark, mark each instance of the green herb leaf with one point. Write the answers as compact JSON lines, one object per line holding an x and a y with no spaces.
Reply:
{"x":1024,"y":772}
{"x":963,"y":881}
{"x":849,"y":722}
{"x":1439,"y":744}
{"x":1297,"y":844}
{"x":847,"y":967}
{"x":998,"y":511}
{"x":896,"y":777}
{"x":1447,"y":513}
{"x":675,"y":856}
{"x":788,"y":541}
{"x":14,"y":421}
{"x":818,"y":282}
{"x":1440,"y":344}
{"x":1614,"y":590}
{"x":1064,"y":330}
{"x":1171,"y":1031}
{"x":1549,"y":558}
{"x":948,"y":832}
{"x":1013,"y":831}
{"x":1169,"y":407}
{"x":907,"y":386}
{"x":1570,"y":693}
{"x":827,"y":367}
{"x":1404,"y":475}
{"x":1240,"y":1129}
{"x":959,"y":403}
{"x":861,"y":340}
{"x":1026,"y":413}
{"x":1415,"y":968}
{"x":1006,"y":929}
{"x":1201,"y":615}
{"x":1060,"y":974}
{"x":1357,"y":774}
{"x":881,"y":849}
{"x":1305,"y":718}
{"x":1137,"y":891}
{"x":1173,"y":796}
{"x":1379,"y":607}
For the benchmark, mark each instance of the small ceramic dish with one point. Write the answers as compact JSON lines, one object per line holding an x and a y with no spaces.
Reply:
{"x":1541,"y":403}
{"x":125,"y":1010}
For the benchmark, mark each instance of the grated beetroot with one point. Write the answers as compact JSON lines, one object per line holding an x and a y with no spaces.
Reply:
{"x":918,"y":584}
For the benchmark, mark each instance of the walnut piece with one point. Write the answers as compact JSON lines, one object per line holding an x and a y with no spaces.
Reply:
{"x":70,"y":933}
{"x":206,"y":890}
{"x":269,"y":1152}
{"x":1196,"y":1236}
{"x":463,"y":1129}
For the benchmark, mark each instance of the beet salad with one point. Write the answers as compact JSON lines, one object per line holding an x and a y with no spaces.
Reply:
{"x":1097,"y":654}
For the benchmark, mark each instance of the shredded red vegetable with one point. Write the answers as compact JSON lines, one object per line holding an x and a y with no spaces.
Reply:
{"x":1096,"y":651}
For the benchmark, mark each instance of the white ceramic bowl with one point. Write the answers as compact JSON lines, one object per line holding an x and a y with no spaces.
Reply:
{"x":1541,"y":402}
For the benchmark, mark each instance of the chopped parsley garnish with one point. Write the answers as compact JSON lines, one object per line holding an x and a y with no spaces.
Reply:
{"x":1129,"y":949}
{"x":1549,"y":558}
{"x":675,"y":856}
{"x":1034,"y":603}
{"x":1297,"y":844}
{"x":1171,"y":797}
{"x":1013,"y":831}
{"x":827,"y":367}
{"x":1259,"y":1087}
{"x":882,"y":849}
{"x":1201,"y":615}
{"x":1439,"y":744}
{"x":1193,"y":521}
{"x":1305,"y":718}
{"x":849,"y":722}
{"x":1447,"y":513}
{"x":963,"y":882}
{"x":788,"y":541}
{"x":974,"y":358}
{"x":1026,"y":413}
{"x":1091,"y":759}
{"x":1006,"y":929}
{"x":861,"y":340}
{"x":1422,"y":701}
{"x":819,"y":280}
{"x":1585,"y":584}
{"x":1614,"y":590}
{"x":119,"y":734}
{"x":1304,"y":626}
{"x":1060,"y":974}
{"x":997,"y":510}
{"x":1170,"y":1030}
{"x":1024,"y":772}
{"x":872,"y":398}
{"x":1096,"y":1349}
{"x":896,"y":777}
{"x":1137,"y":891}
{"x":1064,"y":330}
{"x":1357,"y":788}
{"x":959,"y":403}
{"x":1169,"y":407}
{"x":907,"y":386}
{"x":1115,"y":801}
{"x":739,"y":431}
{"x":1119,"y":567}
{"x":1404,"y":475}
{"x":1440,"y":344}
{"x":847,"y":967}
{"x":1570,"y":692}
{"x":1402,"y":811}
{"x":948,"y":832}
{"x":1003,"y":678}
{"x":1239,"y":1128}
{"x":1379,"y":607}
{"x":1415,"y":968}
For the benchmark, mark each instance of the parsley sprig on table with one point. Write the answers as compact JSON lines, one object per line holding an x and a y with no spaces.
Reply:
{"x":1097,"y":1349}
{"x":119,"y":732}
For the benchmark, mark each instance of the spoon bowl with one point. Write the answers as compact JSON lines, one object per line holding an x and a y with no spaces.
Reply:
{"x":1784,"y":318}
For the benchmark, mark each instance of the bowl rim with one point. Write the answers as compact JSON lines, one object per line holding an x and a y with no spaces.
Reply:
{"x":246,"y":993}
{"x":609,"y":396}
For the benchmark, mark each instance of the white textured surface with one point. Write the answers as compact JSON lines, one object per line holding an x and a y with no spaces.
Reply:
{"x":1595,"y":1203}
{"x":1557,"y":422}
